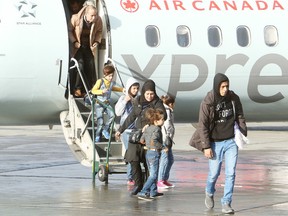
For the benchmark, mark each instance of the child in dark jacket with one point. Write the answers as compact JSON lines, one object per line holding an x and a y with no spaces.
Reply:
{"x":152,"y":137}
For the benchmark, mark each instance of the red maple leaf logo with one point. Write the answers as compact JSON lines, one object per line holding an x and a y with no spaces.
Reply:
{"x":130,"y":5}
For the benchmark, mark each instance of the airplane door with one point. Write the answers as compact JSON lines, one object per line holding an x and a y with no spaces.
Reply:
{"x":105,"y":48}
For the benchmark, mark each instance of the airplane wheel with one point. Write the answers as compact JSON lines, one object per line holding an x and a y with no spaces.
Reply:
{"x":102,"y":173}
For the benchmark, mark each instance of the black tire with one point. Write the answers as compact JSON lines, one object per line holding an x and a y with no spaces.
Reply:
{"x":102,"y":173}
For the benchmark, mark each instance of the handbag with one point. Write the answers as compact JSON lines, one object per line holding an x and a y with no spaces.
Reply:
{"x":168,"y":142}
{"x":135,"y":136}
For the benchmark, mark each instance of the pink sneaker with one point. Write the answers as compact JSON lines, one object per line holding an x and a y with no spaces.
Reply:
{"x":130,"y":182}
{"x":168,"y":184}
{"x":160,"y":184}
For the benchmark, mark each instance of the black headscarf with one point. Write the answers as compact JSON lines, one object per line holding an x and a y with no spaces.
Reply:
{"x":149,"y":85}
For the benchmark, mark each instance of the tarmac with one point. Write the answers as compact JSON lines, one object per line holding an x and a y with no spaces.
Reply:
{"x":40,"y":176}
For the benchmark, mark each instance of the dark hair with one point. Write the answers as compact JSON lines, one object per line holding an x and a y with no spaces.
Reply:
{"x":134,"y":84}
{"x":167,"y":99}
{"x":108,"y":69}
{"x":154,"y":115}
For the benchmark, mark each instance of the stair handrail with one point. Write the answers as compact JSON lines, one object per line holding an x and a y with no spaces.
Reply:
{"x":96,"y":100}
{"x":76,"y":65}
{"x":116,"y":69}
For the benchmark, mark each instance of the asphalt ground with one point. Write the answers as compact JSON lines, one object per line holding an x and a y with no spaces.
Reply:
{"x":40,"y":176}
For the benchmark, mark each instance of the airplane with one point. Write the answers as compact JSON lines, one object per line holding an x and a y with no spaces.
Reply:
{"x":180,"y":44}
{"x":144,"y":40}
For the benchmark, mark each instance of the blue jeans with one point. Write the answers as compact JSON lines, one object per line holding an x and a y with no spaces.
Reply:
{"x":125,"y":140}
{"x":166,"y":162}
{"x":99,"y":114}
{"x":152,"y":160}
{"x":227,"y":150}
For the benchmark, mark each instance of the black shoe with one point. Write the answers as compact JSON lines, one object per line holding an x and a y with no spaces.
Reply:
{"x":136,"y":190}
{"x":157,"y":195}
{"x":143,"y":196}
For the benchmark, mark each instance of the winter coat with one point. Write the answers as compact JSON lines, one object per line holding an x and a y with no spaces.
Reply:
{"x":152,"y":137}
{"x":76,"y":27}
{"x":138,"y":113}
{"x":168,"y":129}
{"x":122,"y":106}
{"x":136,"y":152}
{"x":201,"y":138}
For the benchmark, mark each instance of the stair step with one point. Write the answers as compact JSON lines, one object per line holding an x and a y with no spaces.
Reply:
{"x":82,"y":147}
{"x":115,"y":165}
{"x":106,"y":143}
{"x":114,"y":160}
{"x":117,"y":169}
{"x":85,"y":113}
{"x":81,"y":105}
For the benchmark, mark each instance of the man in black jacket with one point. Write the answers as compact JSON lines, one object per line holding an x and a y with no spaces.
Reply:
{"x":215,"y":137}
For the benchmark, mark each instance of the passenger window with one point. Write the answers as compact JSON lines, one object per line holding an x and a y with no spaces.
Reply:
{"x":243,"y":36}
{"x":214,"y":36}
{"x":271,"y":35}
{"x":152,"y":36}
{"x":183,"y":36}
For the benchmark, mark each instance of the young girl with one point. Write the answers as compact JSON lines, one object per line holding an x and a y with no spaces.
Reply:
{"x":152,"y":138}
{"x":168,"y":129}
{"x":123,"y":108}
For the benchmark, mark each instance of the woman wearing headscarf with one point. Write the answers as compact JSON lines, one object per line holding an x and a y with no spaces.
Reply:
{"x":136,"y":153}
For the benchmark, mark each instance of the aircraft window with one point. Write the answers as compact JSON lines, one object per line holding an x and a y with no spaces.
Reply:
{"x":243,"y":36}
{"x":214,"y":36}
{"x":152,"y":36}
{"x":271,"y":35}
{"x":183,"y":36}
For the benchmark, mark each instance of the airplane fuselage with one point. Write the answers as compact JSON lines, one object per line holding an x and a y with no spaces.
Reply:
{"x":34,"y":54}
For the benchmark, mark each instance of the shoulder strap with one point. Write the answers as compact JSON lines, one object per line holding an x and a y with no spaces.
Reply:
{"x":101,"y":83}
{"x":234,"y":113}
{"x":112,"y":83}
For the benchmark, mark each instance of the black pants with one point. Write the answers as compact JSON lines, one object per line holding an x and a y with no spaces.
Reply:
{"x":85,"y":59}
{"x":138,"y":175}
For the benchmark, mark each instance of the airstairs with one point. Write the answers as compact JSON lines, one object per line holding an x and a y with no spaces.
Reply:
{"x":79,"y":124}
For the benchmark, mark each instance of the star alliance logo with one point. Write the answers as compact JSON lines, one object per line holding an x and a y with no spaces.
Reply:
{"x":26,"y":8}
